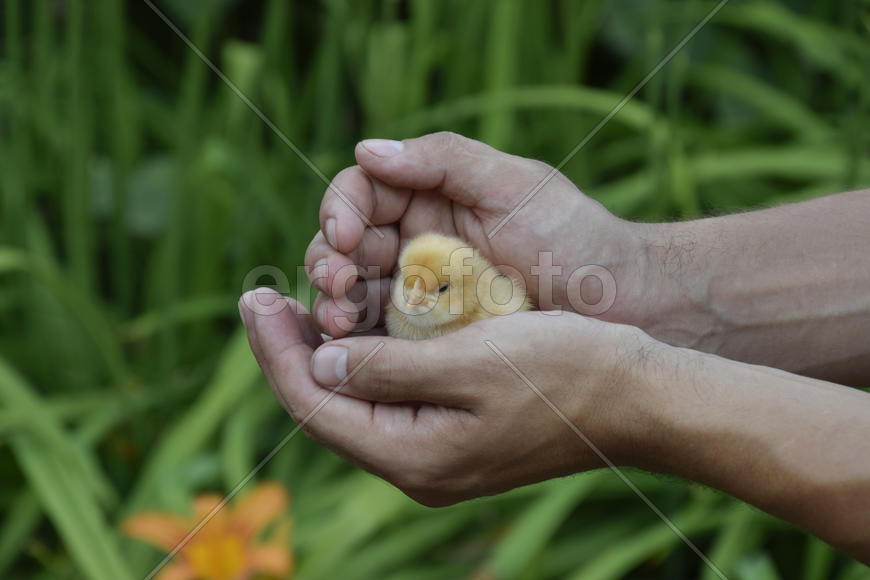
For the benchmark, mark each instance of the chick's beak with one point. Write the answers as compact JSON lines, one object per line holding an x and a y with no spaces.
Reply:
{"x":416,"y":295}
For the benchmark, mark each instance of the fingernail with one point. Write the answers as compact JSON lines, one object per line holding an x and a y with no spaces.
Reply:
{"x":330,"y":365}
{"x":319,"y":274}
{"x":330,"y":232}
{"x":243,"y":312}
{"x":246,"y":313}
{"x":383,"y":147}
{"x":322,"y":310}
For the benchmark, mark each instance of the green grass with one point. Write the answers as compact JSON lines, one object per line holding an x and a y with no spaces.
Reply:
{"x":138,"y":190}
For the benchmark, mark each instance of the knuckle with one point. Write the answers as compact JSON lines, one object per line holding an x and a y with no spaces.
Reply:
{"x":391,"y":369}
{"x":308,"y":431}
{"x":315,"y":249}
{"x":345,"y":185}
{"x":447,"y":140}
{"x":540,"y":168}
{"x":378,"y":372}
{"x":343,"y":176}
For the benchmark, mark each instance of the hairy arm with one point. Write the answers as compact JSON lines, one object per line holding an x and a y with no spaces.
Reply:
{"x":787,"y":287}
{"x":792,"y":446}
{"x":462,"y":415}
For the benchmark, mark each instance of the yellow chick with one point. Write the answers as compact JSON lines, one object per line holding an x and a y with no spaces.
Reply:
{"x":443,"y":284}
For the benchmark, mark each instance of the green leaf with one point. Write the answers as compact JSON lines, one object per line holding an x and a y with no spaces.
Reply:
{"x":19,"y":523}
{"x":757,"y":567}
{"x":818,"y":559}
{"x":634,"y":114}
{"x":16,"y":394}
{"x":234,"y":375}
{"x":73,"y":510}
{"x":740,"y":533}
{"x":772,"y":104}
{"x":613,"y":563}
{"x":534,"y":527}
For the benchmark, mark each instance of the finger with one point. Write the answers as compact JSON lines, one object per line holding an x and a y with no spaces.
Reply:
{"x":383,"y":439}
{"x":333,"y":272}
{"x":266,"y":302}
{"x":352,"y":201}
{"x":404,"y":371}
{"x":280,"y":340}
{"x":361,"y":309}
{"x":465,"y":170}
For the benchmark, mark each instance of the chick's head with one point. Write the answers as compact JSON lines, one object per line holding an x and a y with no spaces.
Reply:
{"x":436,"y":282}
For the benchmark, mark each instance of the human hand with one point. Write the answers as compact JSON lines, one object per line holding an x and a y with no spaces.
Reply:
{"x":447,"y":419}
{"x":460,"y":187}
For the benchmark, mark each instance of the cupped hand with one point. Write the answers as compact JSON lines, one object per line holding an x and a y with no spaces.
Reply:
{"x":456,"y":186}
{"x":449,"y":419}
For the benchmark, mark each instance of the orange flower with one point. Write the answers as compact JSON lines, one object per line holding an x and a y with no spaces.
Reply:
{"x":228,"y":546}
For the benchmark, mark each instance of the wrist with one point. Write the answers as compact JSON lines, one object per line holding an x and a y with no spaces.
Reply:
{"x":618,"y":258}
{"x":654,"y":433}
{"x":636,"y":274}
{"x":633,"y":408}
{"x":667,"y":294}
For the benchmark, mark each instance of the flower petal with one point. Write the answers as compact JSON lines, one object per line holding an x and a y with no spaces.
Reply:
{"x":203,"y":505}
{"x":259,"y":507}
{"x":270,"y":560}
{"x":177,"y":571}
{"x":161,"y":530}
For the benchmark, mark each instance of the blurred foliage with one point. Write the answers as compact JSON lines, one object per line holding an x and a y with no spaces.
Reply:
{"x":138,"y":190}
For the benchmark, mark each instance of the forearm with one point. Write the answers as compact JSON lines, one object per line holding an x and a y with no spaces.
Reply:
{"x":787,"y":287}
{"x":795,"y":447}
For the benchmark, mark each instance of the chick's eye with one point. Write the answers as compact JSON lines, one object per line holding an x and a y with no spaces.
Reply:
{"x":443,"y":288}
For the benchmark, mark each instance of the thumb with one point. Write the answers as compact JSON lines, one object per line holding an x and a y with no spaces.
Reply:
{"x":467,"y":171}
{"x":390,"y":370}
